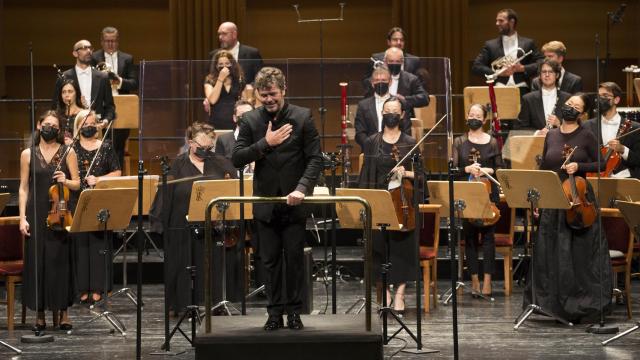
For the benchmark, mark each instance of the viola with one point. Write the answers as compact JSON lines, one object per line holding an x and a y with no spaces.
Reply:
{"x":402,"y":198}
{"x":59,"y":216}
{"x":609,"y":155}
{"x":474,"y":157}
{"x":582,"y":213}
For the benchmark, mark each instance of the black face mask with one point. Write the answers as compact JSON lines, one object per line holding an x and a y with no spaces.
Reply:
{"x":203,"y":153}
{"x":88,"y":131}
{"x":48,"y":133}
{"x":381,"y":88}
{"x":394,"y":69}
{"x":604,"y":103}
{"x":474,"y":124}
{"x":391,"y":120}
{"x":569,"y":113}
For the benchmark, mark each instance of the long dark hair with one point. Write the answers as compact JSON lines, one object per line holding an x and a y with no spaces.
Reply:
{"x":62,"y":107}
{"x":236,"y":71}
{"x":46,"y":114}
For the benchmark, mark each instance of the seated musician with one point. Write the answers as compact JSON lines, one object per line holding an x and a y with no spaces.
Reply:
{"x":568,"y":268}
{"x":198,"y":160}
{"x":479,"y":154}
{"x":611,"y":127}
{"x":381,"y":153}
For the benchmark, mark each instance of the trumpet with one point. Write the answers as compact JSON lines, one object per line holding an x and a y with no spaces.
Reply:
{"x":113,"y":77}
{"x":501,"y":64}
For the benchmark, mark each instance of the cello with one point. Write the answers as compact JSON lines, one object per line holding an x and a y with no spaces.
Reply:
{"x":582,"y":212}
{"x":474,"y":156}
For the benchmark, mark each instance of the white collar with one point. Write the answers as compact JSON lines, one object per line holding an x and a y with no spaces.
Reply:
{"x":615,"y":120}
{"x":86,"y":70}
{"x":115,"y":53}
{"x":511,"y":38}
{"x":546,"y":92}
{"x":380,"y":99}
{"x":235,"y":48}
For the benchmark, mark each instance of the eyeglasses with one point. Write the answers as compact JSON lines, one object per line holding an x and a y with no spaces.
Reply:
{"x":86,"y":47}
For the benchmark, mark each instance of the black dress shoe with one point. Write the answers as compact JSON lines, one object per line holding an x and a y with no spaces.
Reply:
{"x":39,"y":327}
{"x":66,"y":327}
{"x":274,"y":322}
{"x":294,"y":322}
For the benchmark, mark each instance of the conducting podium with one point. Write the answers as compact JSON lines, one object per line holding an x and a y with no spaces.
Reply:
{"x":104,"y":210}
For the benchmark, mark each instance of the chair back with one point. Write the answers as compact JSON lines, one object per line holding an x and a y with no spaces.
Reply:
{"x":10,"y":239}
{"x":505,"y":224}
{"x":618,"y":235}
{"x":430,"y":230}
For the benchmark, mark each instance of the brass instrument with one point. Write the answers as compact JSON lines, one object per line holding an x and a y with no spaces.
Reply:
{"x":113,"y":77}
{"x":501,"y":64}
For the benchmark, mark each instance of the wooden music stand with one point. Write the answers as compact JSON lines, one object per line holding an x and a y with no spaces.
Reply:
{"x":149,"y":185}
{"x":608,"y":190}
{"x":507,"y":99}
{"x":103,"y":210}
{"x":525,"y":151}
{"x":203,"y":191}
{"x":471,"y":202}
{"x":4,"y":199}
{"x":128,"y":107}
{"x":533,"y":189}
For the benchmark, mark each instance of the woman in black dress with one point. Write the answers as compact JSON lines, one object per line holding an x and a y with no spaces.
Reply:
{"x":89,"y":262}
{"x":222,"y":88}
{"x":571,"y":267}
{"x":488,"y":158}
{"x":68,"y":106}
{"x":199,"y":160}
{"x":379,"y":160}
{"x":47,"y":276}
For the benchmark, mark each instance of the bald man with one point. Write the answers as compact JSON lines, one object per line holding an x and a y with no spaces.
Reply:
{"x":248,"y":57}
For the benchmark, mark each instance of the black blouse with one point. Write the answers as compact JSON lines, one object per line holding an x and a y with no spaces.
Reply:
{"x":586,"y":153}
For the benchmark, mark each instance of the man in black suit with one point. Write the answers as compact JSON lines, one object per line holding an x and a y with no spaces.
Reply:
{"x":123,"y":75}
{"x":369,"y":114}
{"x":569,"y":82}
{"x":227,"y":141}
{"x":508,"y":44}
{"x":282,"y":140}
{"x":95,"y":87}
{"x":248,"y":57}
{"x":396,"y":38}
{"x":609,"y":96}
{"x":541,"y":108}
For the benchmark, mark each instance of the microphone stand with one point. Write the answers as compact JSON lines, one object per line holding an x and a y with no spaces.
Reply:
{"x":612,"y":19}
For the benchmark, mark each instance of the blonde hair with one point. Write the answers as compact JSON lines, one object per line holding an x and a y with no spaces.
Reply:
{"x":79,"y":120}
{"x":555,"y":47}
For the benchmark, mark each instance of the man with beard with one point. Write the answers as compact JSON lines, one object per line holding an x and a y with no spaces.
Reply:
{"x":95,"y":87}
{"x":282,"y":140}
{"x":508,"y":44}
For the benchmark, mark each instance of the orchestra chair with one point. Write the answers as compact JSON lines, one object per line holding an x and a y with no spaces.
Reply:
{"x":429,"y":239}
{"x":360,"y":162}
{"x":504,"y":233}
{"x":11,"y":263}
{"x":427,"y":114}
{"x":620,"y":240}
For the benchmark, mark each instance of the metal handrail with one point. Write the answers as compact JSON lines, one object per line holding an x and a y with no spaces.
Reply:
{"x":208,"y":246}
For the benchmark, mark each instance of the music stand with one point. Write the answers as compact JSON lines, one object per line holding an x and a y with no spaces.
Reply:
{"x":472,"y":202}
{"x":533,"y":189}
{"x":4,"y":198}
{"x":609,"y":190}
{"x":631,"y":213}
{"x":128,"y":106}
{"x":383,"y":217}
{"x":104,"y":210}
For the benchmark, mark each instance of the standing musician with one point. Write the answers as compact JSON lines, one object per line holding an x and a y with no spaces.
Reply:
{"x":48,"y":276}
{"x":628,"y":147}
{"x":568,"y":267}
{"x":68,"y":106}
{"x":283,"y":141}
{"x":381,"y":153}
{"x":199,"y":160}
{"x":95,"y":160}
{"x":222,"y":88}
{"x":569,"y":82}
{"x":541,"y":108}
{"x":480,"y":154}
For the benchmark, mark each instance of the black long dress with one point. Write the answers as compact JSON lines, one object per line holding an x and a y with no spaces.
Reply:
{"x":181,"y":234}
{"x":378,"y":161}
{"x":572,"y":268}
{"x":222,"y":111}
{"x":88,"y":262}
{"x":48,"y":275}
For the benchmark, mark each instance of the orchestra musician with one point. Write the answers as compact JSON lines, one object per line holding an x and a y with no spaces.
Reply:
{"x":199,"y":160}
{"x":379,"y":160}
{"x":95,"y":160}
{"x":68,"y":106}
{"x":568,"y":81}
{"x":223,"y":86}
{"x":567,"y":266}
{"x":47,"y":275}
{"x":479,"y":154}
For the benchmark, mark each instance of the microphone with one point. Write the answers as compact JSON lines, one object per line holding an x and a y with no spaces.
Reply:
{"x":616,"y":17}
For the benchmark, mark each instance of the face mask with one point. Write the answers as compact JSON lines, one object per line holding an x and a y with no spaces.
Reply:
{"x":88,"y":131}
{"x":569,"y":113}
{"x":605,"y":104}
{"x":381,"y":88}
{"x":394,"y":69}
{"x":391,"y":120}
{"x":203,"y":153}
{"x":48,"y":133}
{"x":474,"y":124}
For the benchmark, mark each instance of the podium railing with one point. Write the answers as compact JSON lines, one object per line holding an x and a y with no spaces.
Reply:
{"x":208,"y":246}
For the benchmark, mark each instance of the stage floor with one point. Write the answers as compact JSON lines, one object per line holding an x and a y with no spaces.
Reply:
{"x":485,"y":330}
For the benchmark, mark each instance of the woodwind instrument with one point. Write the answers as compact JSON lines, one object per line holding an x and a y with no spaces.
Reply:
{"x":344,"y":146}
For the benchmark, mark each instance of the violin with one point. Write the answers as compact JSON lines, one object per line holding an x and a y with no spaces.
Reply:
{"x":609,"y":155}
{"x":474,"y":156}
{"x":59,"y":216}
{"x":402,"y":197}
{"x":582,"y":213}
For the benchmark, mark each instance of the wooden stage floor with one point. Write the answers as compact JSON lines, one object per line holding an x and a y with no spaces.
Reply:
{"x":485,"y":330}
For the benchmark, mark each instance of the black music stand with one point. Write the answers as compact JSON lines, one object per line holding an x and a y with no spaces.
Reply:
{"x":533,"y":189}
{"x":4,"y":198}
{"x":631,"y":213}
{"x":472,"y":202}
{"x":104,"y":210}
